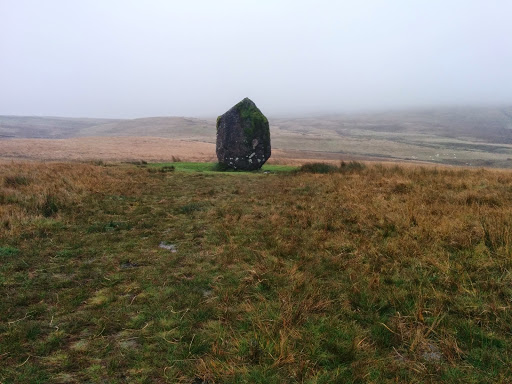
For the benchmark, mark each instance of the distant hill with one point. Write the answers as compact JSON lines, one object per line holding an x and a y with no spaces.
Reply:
{"x":460,"y":136}
{"x":32,"y":127}
{"x":168,"y":127}
{"x":491,"y":125}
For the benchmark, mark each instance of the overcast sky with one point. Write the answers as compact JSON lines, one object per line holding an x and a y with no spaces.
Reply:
{"x":127,"y":58}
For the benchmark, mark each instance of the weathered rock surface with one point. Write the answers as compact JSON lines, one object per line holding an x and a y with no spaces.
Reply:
{"x":243,"y":137}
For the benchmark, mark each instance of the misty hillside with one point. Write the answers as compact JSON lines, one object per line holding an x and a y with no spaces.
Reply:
{"x":170,"y":127}
{"x":490,"y":125}
{"x":459,"y":136}
{"x":46,"y":127}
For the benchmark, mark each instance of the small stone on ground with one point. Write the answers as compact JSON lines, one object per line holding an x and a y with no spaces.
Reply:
{"x":169,"y":247}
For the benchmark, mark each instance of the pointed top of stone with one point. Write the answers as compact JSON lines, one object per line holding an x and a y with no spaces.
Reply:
{"x":246,"y":102}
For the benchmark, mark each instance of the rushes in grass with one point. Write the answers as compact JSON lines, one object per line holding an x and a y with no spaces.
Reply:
{"x":49,"y":207}
{"x":318,"y":168}
{"x":350,"y":167}
{"x":191,"y":208}
{"x":497,"y":232}
{"x":13,"y":181}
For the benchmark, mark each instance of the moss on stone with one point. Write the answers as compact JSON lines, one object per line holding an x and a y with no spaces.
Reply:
{"x":254,"y":122}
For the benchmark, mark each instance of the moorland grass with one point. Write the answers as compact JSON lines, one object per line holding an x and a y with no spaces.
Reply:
{"x":382,"y":274}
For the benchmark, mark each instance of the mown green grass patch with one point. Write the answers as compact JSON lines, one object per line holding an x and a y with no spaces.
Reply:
{"x":214,"y":168}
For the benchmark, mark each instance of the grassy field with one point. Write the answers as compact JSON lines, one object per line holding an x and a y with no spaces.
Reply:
{"x":144,"y":274}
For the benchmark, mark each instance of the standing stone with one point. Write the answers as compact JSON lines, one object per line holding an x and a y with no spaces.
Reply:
{"x":243,"y":137}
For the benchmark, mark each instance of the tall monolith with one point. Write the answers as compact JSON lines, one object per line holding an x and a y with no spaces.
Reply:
{"x":243,"y":137}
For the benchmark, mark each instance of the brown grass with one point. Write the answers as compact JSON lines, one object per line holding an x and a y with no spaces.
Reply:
{"x":150,"y":149}
{"x":386,"y":274}
{"x":107,"y":149}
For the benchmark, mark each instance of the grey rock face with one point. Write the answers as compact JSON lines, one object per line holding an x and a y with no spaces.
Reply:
{"x":243,"y":137}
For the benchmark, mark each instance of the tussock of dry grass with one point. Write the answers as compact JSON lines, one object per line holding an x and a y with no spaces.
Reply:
{"x":384,"y":274}
{"x":28,"y":187}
